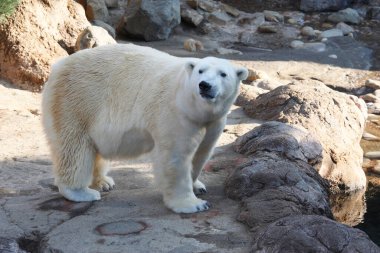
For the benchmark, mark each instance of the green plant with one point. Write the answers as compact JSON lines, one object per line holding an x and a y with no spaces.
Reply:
{"x":7,"y":7}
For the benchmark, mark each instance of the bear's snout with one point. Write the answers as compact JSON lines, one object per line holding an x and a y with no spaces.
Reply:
{"x":204,"y":86}
{"x":206,"y":90}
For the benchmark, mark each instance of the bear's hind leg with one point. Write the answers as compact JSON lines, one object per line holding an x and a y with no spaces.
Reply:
{"x":74,"y":163}
{"x":100,"y":180}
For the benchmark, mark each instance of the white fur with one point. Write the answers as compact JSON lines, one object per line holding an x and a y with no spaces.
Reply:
{"x":121,"y":101}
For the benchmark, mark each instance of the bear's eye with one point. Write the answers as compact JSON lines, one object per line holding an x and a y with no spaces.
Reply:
{"x":200,"y":71}
{"x":223,"y":74}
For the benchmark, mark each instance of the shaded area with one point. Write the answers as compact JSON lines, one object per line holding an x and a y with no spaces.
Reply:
{"x":372,"y":215}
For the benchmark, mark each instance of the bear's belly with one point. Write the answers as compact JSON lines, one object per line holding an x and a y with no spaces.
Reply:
{"x":128,"y":144}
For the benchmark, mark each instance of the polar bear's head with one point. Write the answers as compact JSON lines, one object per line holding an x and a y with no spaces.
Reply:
{"x":213,"y":84}
{"x":214,"y":79}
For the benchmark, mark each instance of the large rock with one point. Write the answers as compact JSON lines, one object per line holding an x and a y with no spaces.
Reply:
{"x":151,"y":20}
{"x":317,"y":5}
{"x":347,"y":15}
{"x":279,"y":180}
{"x":97,"y":10}
{"x":311,"y":233}
{"x":37,"y":34}
{"x":330,"y":116}
{"x":285,"y":202}
{"x":93,"y":36}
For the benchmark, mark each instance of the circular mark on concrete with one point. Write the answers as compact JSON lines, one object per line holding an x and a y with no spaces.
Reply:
{"x":121,"y":228}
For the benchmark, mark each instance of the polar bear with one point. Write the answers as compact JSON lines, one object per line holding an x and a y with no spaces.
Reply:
{"x":124,"y":100}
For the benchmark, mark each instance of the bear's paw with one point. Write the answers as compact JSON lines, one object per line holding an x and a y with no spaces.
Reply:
{"x":79,"y":195}
{"x":199,"y":187}
{"x":188,"y":205}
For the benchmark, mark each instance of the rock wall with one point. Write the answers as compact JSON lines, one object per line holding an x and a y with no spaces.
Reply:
{"x":332,"y":117}
{"x":285,"y":203}
{"x":36,"y":35}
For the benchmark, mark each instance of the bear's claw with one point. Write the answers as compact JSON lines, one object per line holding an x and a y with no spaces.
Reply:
{"x":103,"y":183}
{"x":188,"y":205}
{"x":199,"y":188}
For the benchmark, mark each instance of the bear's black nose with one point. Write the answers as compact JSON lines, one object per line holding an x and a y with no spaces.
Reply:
{"x":204,"y":86}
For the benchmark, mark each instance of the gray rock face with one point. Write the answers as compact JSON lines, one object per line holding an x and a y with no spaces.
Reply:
{"x":98,"y":9}
{"x":317,"y":5}
{"x":151,"y":20}
{"x":332,"y":117}
{"x":311,"y":233}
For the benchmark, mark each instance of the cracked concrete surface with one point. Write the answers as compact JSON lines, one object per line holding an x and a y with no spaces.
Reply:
{"x":35,"y":218}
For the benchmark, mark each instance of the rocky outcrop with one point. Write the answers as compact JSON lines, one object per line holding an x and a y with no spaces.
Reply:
{"x":311,"y":233}
{"x":37,"y":34}
{"x":280,"y":177}
{"x":285,"y":202}
{"x":330,"y":116}
{"x":151,"y":20}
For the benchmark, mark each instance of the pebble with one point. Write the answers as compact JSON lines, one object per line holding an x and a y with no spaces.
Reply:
{"x":372,"y":155}
{"x":333,"y":56}
{"x":331,"y":33}
{"x":377,"y":93}
{"x":369,"y":98}
{"x":346,"y":29}
{"x":273,"y":16}
{"x":315,"y":46}
{"x":292,"y":21}
{"x":347,"y":15}
{"x":373,"y":108}
{"x":370,"y":137}
{"x":374,"y":84}
{"x":308,"y":31}
{"x":267,"y":29}
{"x":296,"y":44}
{"x":231,"y":10}
{"x":224,"y":51}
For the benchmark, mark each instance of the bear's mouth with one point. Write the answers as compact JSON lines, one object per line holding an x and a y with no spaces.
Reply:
{"x":206,"y":95}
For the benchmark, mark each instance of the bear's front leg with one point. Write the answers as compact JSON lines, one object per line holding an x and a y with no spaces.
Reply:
{"x":204,"y":151}
{"x":173,"y":174}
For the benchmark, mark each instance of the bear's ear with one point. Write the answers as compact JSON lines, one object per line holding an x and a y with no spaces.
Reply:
{"x":190,"y":65}
{"x":242,"y":73}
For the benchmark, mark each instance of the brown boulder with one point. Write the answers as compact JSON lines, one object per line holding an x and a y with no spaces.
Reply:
{"x":332,"y":117}
{"x":37,"y":34}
